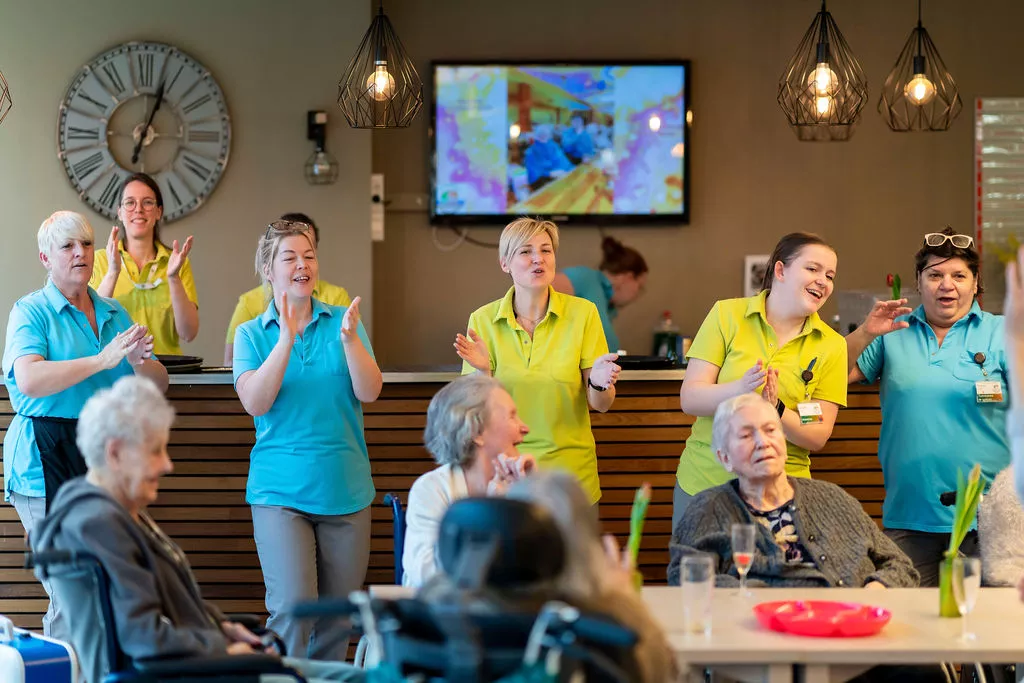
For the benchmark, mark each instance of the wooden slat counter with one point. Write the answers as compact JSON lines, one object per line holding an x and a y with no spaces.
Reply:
{"x":202,"y":504}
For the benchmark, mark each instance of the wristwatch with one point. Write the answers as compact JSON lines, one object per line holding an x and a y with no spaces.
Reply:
{"x":780,"y":406}
{"x":594,"y":386}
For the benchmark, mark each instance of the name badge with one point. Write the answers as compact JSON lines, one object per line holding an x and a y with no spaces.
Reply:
{"x":989,"y":392}
{"x":810,"y":413}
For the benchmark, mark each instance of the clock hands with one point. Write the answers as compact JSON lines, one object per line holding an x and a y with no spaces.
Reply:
{"x":149,"y":121}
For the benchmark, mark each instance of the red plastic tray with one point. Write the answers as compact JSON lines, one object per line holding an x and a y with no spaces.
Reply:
{"x":822,"y":618}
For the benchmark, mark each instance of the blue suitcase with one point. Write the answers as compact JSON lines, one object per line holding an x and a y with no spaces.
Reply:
{"x":27,"y":657}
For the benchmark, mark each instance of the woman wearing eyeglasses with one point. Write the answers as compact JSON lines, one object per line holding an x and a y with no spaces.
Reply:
{"x":151,"y":280}
{"x":303,"y":369}
{"x":943,"y":374}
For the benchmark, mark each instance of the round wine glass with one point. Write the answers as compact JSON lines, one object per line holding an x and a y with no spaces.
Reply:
{"x":966,"y":581}
{"x":743,"y":536}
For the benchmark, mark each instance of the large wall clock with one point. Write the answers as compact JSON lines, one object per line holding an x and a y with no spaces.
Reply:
{"x":145,"y":107}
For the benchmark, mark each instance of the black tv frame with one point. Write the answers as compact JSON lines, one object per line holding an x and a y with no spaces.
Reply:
{"x":562,"y":219}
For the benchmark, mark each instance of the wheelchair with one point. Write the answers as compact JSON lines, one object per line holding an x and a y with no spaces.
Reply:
{"x":493,"y":615}
{"x":104,"y":652}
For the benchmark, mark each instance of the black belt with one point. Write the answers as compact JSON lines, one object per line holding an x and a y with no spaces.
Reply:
{"x":58,"y":452}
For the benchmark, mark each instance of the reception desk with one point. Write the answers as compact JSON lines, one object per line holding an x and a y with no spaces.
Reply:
{"x":202,"y":504}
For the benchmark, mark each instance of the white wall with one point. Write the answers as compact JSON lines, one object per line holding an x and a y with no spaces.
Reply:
{"x":274,"y":61}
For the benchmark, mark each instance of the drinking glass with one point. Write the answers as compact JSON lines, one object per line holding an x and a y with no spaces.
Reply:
{"x":966,"y":585}
{"x":697,"y":579}
{"x":743,"y":536}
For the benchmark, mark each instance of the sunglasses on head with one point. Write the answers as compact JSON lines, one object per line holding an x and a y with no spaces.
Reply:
{"x":287,"y":225}
{"x":937,"y":239}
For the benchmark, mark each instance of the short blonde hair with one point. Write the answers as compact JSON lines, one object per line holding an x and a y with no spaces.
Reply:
{"x":519,"y":232}
{"x":60,"y":227}
{"x":270,"y":244}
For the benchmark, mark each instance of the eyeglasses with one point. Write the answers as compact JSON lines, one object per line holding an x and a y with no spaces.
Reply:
{"x":131,"y":203}
{"x":937,"y":239}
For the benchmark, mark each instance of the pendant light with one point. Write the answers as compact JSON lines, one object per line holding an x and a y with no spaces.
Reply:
{"x":380,"y":88}
{"x":5,"y":98}
{"x":823,"y":89}
{"x":919,"y":93}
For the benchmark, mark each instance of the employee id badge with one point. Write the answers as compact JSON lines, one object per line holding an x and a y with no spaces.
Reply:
{"x":989,"y":392}
{"x":810,"y":413}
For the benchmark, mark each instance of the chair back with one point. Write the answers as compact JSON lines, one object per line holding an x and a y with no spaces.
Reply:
{"x":397,"y":533}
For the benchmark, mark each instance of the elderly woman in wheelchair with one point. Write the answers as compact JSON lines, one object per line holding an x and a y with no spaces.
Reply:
{"x":152,"y":596}
{"x":473,"y":431}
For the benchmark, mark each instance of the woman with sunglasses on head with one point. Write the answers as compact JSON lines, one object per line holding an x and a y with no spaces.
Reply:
{"x":303,"y":369}
{"x":943,"y":374}
{"x":151,"y":280}
{"x":773,"y":343}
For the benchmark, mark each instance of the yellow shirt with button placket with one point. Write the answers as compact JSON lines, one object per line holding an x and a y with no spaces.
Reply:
{"x":544,"y":377}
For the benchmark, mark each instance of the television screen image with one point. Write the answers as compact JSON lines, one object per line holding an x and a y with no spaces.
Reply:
{"x":593,"y":141}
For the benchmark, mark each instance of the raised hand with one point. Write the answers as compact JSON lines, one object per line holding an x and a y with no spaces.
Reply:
{"x":288,"y":322}
{"x":178,"y":256}
{"x":113,"y":255}
{"x":771,"y":386}
{"x":125,"y":345}
{"x":753,"y":378}
{"x":882,"y":318}
{"x":605,"y":372}
{"x":350,"y":323}
{"x":473,"y":350}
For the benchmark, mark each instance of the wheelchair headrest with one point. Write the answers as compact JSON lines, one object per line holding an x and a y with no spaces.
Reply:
{"x":500,"y":543}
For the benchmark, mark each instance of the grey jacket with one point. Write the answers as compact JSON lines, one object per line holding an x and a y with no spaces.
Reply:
{"x":847,"y":546}
{"x":157,"y":607}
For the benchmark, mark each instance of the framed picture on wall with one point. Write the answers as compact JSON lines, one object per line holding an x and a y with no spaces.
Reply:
{"x":753,"y":273}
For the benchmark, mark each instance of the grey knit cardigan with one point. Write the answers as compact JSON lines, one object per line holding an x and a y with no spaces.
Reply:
{"x":847,"y":546}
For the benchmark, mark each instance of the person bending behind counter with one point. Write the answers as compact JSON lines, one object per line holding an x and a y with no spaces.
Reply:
{"x":151,"y":280}
{"x":252,"y":304}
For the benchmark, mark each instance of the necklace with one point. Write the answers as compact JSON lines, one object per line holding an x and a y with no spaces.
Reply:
{"x":531,"y":320}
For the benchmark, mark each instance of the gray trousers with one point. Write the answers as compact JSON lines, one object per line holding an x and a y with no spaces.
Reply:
{"x":926,"y":550}
{"x":31,"y":511}
{"x":680,"y":499}
{"x":305,"y":557}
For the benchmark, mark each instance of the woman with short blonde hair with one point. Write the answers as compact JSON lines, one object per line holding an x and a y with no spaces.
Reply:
{"x":548,"y":349}
{"x":303,"y":369}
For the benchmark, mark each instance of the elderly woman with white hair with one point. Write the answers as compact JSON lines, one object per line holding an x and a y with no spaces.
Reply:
{"x":158,"y":611}
{"x":64,"y":343}
{"x":548,"y":349}
{"x":808,"y":532}
{"x":473,"y":432}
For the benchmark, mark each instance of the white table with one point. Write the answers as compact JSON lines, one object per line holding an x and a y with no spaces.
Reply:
{"x":740,"y":648}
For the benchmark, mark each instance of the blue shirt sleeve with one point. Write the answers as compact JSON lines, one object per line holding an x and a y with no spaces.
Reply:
{"x":872,"y":359}
{"x":26,"y":336}
{"x":245,"y":357}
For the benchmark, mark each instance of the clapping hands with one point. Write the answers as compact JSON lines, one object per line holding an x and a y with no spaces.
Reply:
{"x":473,"y":350}
{"x":135,"y":344}
{"x":350,"y":323}
{"x":605,"y":372}
{"x":178,"y":256}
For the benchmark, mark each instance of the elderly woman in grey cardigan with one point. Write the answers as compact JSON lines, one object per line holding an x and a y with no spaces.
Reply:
{"x":158,"y":610}
{"x":808,"y":532}
{"x":473,"y":432}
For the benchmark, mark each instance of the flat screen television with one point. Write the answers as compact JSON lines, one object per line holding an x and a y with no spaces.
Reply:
{"x":579,"y":142}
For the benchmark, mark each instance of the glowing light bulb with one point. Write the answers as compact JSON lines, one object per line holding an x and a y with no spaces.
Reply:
{"x":823,"y":105}
{"x":654,"y":123}
{"x":823,"y":79}
{"x":919,"y":90}
{"x":380,"y":83}
{"x":513,"y":131}
{"x":689,"y":117}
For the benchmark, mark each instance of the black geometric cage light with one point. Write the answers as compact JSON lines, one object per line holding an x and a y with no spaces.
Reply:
{"x":823,"y":89}
{"x":5,"y":98}
{"x":919,"y":93}
{"x":381,"y":88}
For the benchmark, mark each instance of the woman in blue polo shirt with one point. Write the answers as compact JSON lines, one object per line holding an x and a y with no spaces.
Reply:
{"x":943,"y":373}
{"x":617,"y":282}
{"x":302,"y":370}
{"x":64,"y":343}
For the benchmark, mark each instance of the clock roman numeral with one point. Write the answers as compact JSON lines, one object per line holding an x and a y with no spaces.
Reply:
{"x":145,"y":64}
{"x":102,"y":107}
{"x":204,"y":136}
{"x":110,"y":192}
{"x":174,"y":79}
{"x":76,"y":133}
{"x":196,"y":103}
{"x":115,"y":78}
{"x":87,"y":165}
{"x":196,"y":167}
{"x":174,"y":192}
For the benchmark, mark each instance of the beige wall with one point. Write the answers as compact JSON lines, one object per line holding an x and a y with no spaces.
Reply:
{"x":274,"y":61}
{"x":751,"y":180}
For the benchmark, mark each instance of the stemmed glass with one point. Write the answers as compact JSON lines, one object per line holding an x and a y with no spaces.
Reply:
{"x":966,"y":585}
{"x":743,"y":552}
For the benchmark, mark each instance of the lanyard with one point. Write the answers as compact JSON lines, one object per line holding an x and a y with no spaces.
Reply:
{"x":152,"y":281}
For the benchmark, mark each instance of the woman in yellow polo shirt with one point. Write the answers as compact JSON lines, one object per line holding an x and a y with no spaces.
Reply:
{"x":548,"y":350}
{"x":151,"y":280}
{"x":774,"y":343}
